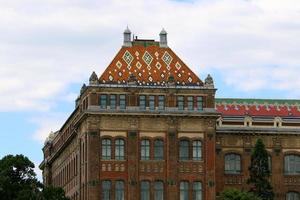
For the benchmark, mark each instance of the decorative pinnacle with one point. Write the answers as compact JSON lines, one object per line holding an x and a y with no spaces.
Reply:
{"x":93,"y":79}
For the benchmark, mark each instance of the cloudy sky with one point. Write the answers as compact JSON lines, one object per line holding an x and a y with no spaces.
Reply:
{"x":49,"y":48}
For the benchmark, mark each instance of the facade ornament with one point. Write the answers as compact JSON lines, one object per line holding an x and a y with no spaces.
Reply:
{"x":83,"y":87}
{"x":132,"y":80}
{"x":93,"y":79}
{"x":209,"y":82}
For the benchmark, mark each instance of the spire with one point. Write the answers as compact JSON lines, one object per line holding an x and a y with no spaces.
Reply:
{"x":127,"y":37}
{"x":93,"y":79}
{"x":163,"y":38}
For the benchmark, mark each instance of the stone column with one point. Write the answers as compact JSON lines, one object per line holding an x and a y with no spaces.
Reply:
{"x":132,"y":165}
{"x":172,"y":182}
{"x":210,"y":149}
{"x":93,"y":165}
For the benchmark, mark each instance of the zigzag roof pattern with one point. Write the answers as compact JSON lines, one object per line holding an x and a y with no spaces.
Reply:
{"x":149,"y":64}
{"x":258,"y":107}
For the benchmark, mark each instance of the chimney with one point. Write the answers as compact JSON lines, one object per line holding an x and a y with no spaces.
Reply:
{"x":163,"y":38}
{"x":127,"y":38}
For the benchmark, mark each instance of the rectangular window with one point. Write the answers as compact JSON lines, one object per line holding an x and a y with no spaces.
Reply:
{"x":145,"y":150}
{"x":197,"y":150}
{"x":113,"y":101}
{"x":161,"y":102}
{"x":103,"y":101}
{"x":190,"y":102}
{"x":158,"y":150}
{"x":142,"y":102}
{"x":106,"y":190}
{"x":120,"y":190}
{"x":197,"y":190}
{"x":180,"y":102}
{"x":145,"y":190}
{"x":119,"y":149}
{"x":106,"y":149}
{"x":184,"y":150}
{"x":122,"y":101}
{"x":151,"y":102}
{"x":200,"y":103}
{"x":158,"y":190}
{"x":184,"y":190}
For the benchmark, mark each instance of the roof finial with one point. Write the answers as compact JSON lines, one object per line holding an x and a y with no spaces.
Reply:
{"x":127,"y":37}
{"x":163,"y":38}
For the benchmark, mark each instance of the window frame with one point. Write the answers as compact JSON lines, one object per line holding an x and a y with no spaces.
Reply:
{"x":157,"y":147}
{"x":190,"y":103}
{"x":186,"y":149}
{"x":296,"y":164}
{"x":119,"y":148}
{"x":143,"y":189}
{"x":103,"y":99}
{"x":145,"y":149}
{"x":185,"y":190}
{"x":198,"y":149}
{"x":158,"y":190}
{"x":161,"y":102}
{"x":196,"y":191}
{"x":142,"y":102}
{"x":120,"y":190}
{"x":105,"y":148}
{"x":180,"y":102}
{"x":236,"y":170}
{"x":105,"y":189}
{"x":199,"y":108}
{"x":122,"y":101}
{"x":113,"y":101}
{"x":293,"y":197}
{"x":151,"y":102}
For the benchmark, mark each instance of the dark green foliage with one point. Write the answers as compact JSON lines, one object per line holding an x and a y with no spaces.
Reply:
{"x":17,"y":178}
{"x":234,"y":194}
{"x":18,"y":181}
{"x":53,"y":193}
{"x":259,"y":172}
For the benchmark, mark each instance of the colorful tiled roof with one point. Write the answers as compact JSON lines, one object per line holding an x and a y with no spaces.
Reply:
{"x":258,"y":107}
{"x":149,"y":64}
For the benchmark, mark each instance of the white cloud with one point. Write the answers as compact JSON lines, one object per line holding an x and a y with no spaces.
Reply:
{"x":46,"y":46}
{"x":46,"y":124}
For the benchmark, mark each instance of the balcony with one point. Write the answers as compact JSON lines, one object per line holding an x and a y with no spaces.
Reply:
{"x":135,"y":109}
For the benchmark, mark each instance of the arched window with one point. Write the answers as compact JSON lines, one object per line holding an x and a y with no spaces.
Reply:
{"x":197,"y":190}
{"x":106,"y":190}
{"x":197,"y":150}
{"x":232,"y":163}
{"x":106,"y":149}
{"x":184,"y":190}
{"x":292,"y":164}
{"x":120,"y":191}
{"x":184,"y":150}
{"x":119,"y":149}
{"x":292,"y":196}
{"x":158,"y":150}
{"x":145,"y":190}
{"x":158,"y":190}
{"x":145,"y":150}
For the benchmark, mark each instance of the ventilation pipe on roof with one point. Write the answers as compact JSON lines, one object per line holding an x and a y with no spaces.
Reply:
{"x":127,"y":38}
{"x":163,"y":38}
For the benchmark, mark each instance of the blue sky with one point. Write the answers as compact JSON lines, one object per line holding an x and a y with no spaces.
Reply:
{"x":48,"y":49}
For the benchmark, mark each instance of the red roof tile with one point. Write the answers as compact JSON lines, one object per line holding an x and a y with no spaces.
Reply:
{"x":151,"y":65}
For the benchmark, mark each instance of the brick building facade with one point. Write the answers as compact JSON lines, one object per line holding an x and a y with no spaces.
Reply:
{"x":149,"y":128}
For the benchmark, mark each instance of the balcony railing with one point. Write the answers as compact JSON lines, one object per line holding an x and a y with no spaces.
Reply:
{"x":147,"y":109}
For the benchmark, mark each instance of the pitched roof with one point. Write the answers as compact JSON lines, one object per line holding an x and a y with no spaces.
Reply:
{"x":150,"y":64}
{"x":258,"y":107}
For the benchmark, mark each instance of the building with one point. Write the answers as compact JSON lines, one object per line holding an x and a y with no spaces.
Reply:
{"x":149,"y":128}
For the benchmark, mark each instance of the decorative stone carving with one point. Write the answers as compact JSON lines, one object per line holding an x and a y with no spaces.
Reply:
{"x":132,"y":80}
{"x":83,"y":87}
{"x":209,"y":82}
{"x":93,"y":79}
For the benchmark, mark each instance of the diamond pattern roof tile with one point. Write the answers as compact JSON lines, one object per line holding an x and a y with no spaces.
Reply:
{"x":151,"y":65}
